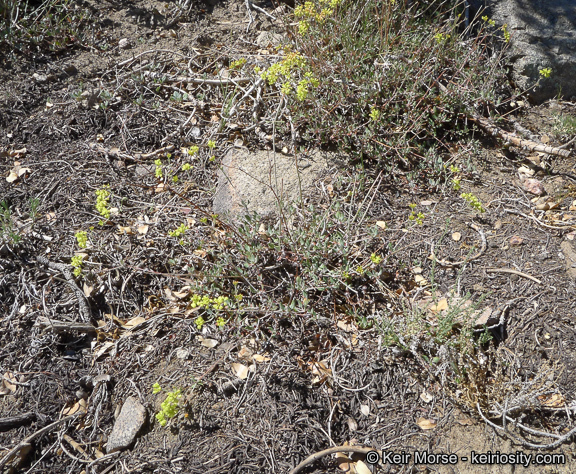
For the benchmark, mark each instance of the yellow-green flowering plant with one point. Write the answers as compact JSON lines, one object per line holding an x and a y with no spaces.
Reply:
{"x":76,"y":262}
{"x":102,"y":201}
{"x":473,"y":201}
{"x":170,"y":405}
{"x":82,"y":239}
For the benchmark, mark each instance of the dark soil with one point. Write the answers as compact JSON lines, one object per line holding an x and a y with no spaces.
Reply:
{"x":74,"y":140}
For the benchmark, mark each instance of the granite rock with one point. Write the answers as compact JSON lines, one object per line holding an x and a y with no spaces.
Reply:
{"x":131,"y":420}
{"x":543,"y":35}
{"x":258,"y":181}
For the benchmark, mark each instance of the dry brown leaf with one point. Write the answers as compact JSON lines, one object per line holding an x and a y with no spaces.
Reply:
{"x":440,"y":306}
{"x":381,"y":224}
{"x":426,"y":397}
{"x":344,"y":463}
{"x":79,"y":406}
{"x":209,"y":343}
{"x":554,"y":400}
{"x":361,"y":468}
{"x":132,"y":323}
{"x":484,"y":316}
{"x":245,"y":354}
{"x":240,"y":370}
{"x":345,"y":326}
{"x":183,"y":293}
{"x":168,"y":294}
{"x":8,"y":382}
{"x":464,"y":420}
{"x":260,"y":358}
{"x":352,"y":425}
{"x":420,"y":280}
{"x":125,"y":230}
{"x":516,"y":240}
{"x":102,"y":350}
{"x":320,"y":368}
{"x":426,"y":424}
{"x":17,"y":172}
{"x":526,"y":171}
{"x":88,"y":289}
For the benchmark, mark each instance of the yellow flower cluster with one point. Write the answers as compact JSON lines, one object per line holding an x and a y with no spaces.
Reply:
{"x":318,"y":11}
{"x":102,"y":200}
{"x":285,"y":70}
{"x":207,"y":302}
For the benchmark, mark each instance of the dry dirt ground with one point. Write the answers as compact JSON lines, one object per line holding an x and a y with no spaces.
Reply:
{"x":315,"y":384}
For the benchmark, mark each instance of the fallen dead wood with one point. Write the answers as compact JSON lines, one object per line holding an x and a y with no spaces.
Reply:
{"x":528,"y":145}
{"x":24,"y":446}
{"x":11,"y":422}
{"x":489,"y":127}
{"x":63,"y":326}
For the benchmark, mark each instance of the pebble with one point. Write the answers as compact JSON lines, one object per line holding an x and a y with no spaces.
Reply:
{"x":131,"y":420}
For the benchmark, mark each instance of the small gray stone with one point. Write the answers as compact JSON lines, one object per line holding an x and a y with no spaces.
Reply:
{"x":570,"y":255}
{"x":132,"y":418}
{"x":267,"y":38}
{"x":255,"y":182}
{"x":124,"y":43}
{"x":40,"y":78}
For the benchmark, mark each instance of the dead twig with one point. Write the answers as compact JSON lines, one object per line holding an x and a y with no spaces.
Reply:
{"x":555,"y":444}
{"x":535,"y":219}
{"x":529,"y":145}
{"x":513,"y":272}
{"x":26,"y":441}
{"x":83,"y":307}
{"x":63,"y":326}
{"x":11,"y":422}
{"x":496,"y":131}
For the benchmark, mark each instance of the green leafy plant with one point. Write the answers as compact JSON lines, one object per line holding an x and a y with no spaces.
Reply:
{"x":395,"y":79}
{"x":238,"y":64}
{"x":473,"y":201}
{"x":77,"y":261}
{"x":158,"y":171}
{"x":50,"y":26}
{"x":33,"y":204}
{"x":103,"y":201}
{"x":170,"y":405}
{"x":314,"y":263}
{"x":198,"y":301}
{"x":564,"y":125}
{"x":82,"y":239}
{"x":179,"y":231}
{"x":414,"y":216}
{"x":7,"y":231}
{"x":444,"y":337}
{"x":545,"y":72}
